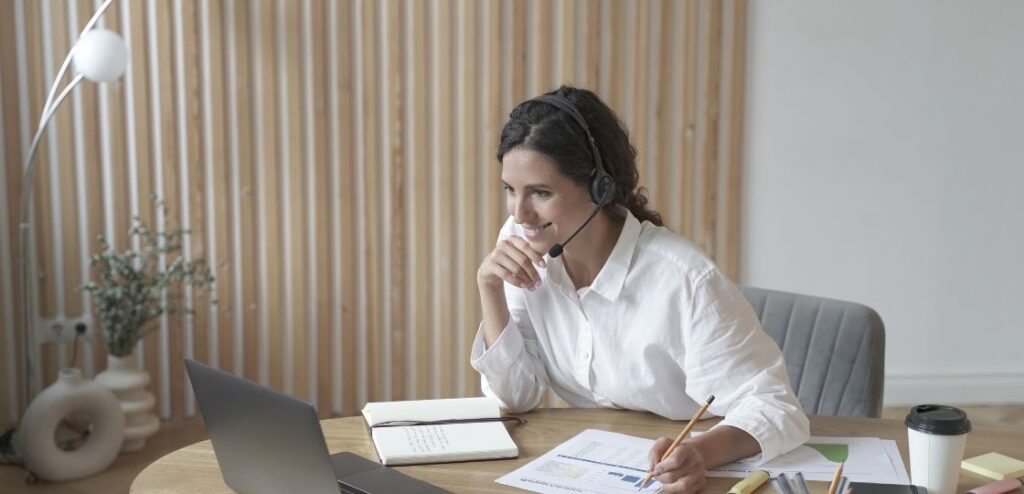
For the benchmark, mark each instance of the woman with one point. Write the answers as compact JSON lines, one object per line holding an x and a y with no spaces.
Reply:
{"x":631,"y":315}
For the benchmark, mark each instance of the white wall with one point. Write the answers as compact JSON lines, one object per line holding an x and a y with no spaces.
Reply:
{"x":884,"y":164}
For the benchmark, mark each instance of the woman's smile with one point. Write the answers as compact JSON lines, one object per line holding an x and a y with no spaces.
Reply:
{"x":534,"y":232}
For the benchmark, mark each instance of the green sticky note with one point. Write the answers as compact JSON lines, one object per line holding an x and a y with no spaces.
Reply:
{"x":837,"y":453}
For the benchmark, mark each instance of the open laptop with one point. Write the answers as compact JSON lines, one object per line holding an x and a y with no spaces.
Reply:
{"x":268,"y":443}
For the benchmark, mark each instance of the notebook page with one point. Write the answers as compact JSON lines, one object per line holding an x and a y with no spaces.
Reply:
{"x":450,"y":442}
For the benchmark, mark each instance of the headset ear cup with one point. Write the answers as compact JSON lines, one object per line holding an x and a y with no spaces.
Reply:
{"x":602,"y":189}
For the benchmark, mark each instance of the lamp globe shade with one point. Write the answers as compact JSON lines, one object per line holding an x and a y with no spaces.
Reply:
{"x":100,"y":55}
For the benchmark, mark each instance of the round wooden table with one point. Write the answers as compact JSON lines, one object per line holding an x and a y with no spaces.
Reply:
{"x":193,"y":469}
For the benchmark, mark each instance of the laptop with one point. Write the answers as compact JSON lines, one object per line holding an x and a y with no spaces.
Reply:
{"x":268,"y":443}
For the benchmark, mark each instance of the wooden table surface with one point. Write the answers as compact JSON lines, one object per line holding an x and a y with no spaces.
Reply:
{"x":193,"y":469}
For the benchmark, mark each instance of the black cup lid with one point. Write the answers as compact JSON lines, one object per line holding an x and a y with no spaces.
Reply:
{"x":938,"y":419}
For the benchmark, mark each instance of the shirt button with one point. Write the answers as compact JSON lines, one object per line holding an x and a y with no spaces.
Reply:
{"x":586,"y":354}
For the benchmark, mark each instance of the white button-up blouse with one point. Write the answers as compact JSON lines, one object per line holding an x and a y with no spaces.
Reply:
{"x":660,"y":329}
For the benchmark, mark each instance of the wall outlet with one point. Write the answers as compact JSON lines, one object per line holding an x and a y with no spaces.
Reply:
{"x":61,"y":329}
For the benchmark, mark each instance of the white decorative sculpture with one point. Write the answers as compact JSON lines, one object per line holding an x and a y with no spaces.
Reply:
{"x":81,"y":401}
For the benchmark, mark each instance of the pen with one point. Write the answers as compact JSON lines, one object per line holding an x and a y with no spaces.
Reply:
{"x":679,"y":438}
{"x":751,"y":483}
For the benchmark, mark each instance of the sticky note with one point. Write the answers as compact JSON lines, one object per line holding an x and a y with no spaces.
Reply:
{"x":994,"y":466}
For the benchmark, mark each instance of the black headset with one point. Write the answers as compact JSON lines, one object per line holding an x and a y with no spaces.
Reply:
{"x":602,"y":186}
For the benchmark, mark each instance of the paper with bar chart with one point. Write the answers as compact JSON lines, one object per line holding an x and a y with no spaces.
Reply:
{"x":867,"y":459}
{"x":593,"y":461}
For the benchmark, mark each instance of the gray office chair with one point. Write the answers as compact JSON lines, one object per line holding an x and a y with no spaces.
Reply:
{"x":834,"y":350}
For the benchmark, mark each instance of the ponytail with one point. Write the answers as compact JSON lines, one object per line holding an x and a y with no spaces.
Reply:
{"x":636,"y":203}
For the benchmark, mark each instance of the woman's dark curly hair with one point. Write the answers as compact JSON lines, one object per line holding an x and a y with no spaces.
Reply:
{"x":546,"y":129}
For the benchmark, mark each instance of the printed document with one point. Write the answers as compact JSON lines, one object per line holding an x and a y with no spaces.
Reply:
{"x":596,"y":461}
{"x":592,"y":462}
{"x":867,"y":459}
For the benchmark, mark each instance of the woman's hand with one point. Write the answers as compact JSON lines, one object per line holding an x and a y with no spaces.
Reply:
{"x":512,"y":261}
{"x":682,"y":471}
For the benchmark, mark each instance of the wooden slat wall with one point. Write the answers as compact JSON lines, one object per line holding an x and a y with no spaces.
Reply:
{"x":334,"y":162}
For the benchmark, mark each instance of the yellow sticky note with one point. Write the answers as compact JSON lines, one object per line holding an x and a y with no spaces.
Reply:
{"x":994,"y":466}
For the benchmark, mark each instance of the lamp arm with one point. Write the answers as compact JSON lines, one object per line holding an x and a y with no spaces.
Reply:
{"x":67,"y":60}
{"x":27,"y":181}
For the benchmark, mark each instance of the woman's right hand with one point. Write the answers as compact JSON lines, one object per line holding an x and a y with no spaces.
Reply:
{"x":512,"y":261}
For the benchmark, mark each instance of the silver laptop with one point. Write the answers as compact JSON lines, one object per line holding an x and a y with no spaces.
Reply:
{"x":268,"y":443}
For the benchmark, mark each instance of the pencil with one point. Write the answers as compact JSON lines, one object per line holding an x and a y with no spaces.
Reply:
{"x":679,"y":438}
{"x":835,"y":479}
{"x":842,"y":485}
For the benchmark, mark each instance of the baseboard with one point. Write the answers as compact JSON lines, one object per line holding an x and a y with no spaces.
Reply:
{"x":1006,"y":388}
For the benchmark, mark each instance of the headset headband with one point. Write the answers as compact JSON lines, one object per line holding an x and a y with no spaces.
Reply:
{"x":569,"y":108}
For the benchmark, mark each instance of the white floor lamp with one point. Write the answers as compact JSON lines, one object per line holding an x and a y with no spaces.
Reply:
{"x":100,"y":56}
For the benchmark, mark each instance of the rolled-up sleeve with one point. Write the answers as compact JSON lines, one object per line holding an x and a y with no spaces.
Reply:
{"x":730,"y":356}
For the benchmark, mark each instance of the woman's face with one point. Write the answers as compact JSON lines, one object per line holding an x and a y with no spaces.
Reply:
{"x":547,"y":204}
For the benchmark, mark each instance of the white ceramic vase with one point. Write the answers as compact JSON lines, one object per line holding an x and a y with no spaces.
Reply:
{"x":124,"y":377}
{"x":88,"y":406}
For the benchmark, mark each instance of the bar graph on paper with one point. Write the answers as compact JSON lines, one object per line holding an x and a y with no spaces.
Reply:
{"x":592,"y":462}
{"x":866,"y":459}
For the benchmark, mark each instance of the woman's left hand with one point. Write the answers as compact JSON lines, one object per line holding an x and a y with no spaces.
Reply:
{"x":683,"y":470}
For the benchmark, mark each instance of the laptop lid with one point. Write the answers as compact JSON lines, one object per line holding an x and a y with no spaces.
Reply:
{"x":266,"y":442}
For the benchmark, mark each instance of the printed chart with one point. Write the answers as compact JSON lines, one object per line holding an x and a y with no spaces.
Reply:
{"x":867,"y":459}
{"x":592,"y":462}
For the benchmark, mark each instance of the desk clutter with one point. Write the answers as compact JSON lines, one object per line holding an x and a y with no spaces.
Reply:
{"x":454,"y":430}
{"x":840,"y":484}
{"x":603,"y":461}
{"x":864,"y":459}
{"x":194,"y":468}
{"x":1007,"y":472}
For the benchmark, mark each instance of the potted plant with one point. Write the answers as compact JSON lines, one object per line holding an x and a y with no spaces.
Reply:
{"x":131,"y":290}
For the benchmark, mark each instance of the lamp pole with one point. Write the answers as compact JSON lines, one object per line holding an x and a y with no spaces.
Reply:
{"x":99,"y":56}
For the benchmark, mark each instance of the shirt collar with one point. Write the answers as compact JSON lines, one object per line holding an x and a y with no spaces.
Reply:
{"x":612,"y":277}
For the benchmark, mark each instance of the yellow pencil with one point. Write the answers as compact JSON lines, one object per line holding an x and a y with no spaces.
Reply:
{"x":835,"y":479}
{"x":679,"y":438}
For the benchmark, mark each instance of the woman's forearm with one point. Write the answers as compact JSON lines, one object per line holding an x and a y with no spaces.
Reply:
{"x":495,"y":311}
{"x":723,"y":445}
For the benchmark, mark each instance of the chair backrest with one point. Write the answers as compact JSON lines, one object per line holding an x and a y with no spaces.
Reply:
{"x":834,"y":350}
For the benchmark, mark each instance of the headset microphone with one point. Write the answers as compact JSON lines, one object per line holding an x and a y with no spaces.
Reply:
{"x":556,"y":250}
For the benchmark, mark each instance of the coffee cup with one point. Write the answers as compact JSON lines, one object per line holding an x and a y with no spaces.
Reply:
{"x":937,"y":435}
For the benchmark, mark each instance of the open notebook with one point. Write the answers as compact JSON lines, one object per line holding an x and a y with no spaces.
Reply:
{"x":402,"y":438}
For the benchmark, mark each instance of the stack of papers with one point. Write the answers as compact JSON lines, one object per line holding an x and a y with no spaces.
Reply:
{"x":596,"y":461}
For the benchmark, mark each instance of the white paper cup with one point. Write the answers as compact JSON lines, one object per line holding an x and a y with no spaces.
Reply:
{"x":937,"y":435}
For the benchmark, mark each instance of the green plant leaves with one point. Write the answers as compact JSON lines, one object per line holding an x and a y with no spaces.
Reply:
{"x":131,"y":289}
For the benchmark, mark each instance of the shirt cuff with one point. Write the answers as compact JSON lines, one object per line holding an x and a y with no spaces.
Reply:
{"x":759,"y":432}
{"x":775,"y":437}
{"x":494,"y":362}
